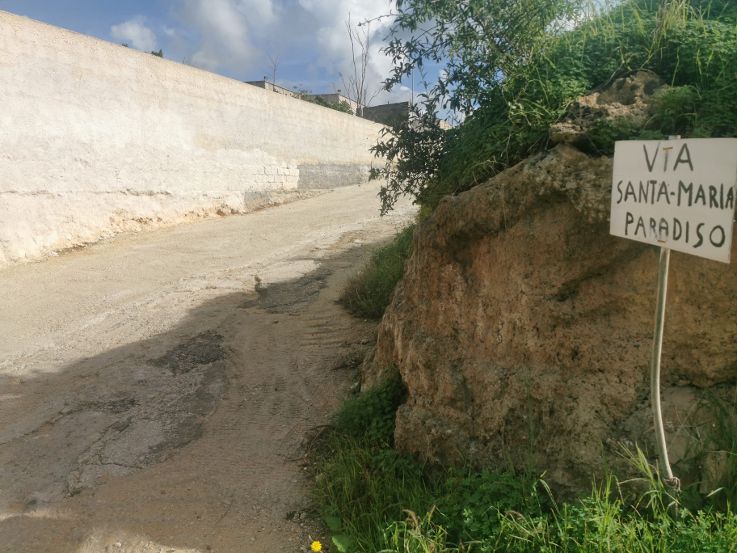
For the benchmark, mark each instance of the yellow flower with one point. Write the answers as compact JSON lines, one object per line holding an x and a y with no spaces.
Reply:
{"x":316,"y":546}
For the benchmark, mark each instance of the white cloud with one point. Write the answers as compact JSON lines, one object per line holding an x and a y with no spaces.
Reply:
{"x":257,"y":11}
{"x":226,"y":29}
{"x":308,"y":37}
{"x":135,"y":33}
{"x":224,"y":35}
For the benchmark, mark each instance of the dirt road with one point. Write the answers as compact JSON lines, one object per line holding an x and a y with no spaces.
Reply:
{"x":156,"y":390}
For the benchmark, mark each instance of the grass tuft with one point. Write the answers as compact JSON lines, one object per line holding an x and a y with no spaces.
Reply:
{"x":369,"y":293}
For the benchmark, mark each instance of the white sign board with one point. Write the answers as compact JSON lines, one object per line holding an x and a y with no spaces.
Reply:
{"x":679,"y":194}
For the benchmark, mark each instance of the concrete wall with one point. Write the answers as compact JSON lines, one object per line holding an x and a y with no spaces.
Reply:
{"x":96,"y":138}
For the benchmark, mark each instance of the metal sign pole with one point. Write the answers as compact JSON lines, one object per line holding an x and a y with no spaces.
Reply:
{"x":655,"y":365}
{"x":664,"y":265}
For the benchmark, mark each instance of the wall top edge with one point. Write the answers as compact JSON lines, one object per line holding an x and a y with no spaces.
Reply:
{"x":29,"y":25}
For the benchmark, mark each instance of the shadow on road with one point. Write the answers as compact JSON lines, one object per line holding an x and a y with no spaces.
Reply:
{"x":181,"y":442}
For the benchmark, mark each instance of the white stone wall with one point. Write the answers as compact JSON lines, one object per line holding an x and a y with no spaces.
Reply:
{"x":96,"y":138}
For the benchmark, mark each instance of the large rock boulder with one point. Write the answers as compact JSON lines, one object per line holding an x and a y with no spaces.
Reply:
{"x":523,"y":331}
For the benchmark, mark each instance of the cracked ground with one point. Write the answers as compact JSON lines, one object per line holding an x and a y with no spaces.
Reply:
{"x":157,"y":391}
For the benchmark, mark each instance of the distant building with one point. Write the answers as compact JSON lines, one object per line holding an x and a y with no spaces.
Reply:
{"x":336,"y":98}
{"x":274,"y":88}
{"x":387,"y":114}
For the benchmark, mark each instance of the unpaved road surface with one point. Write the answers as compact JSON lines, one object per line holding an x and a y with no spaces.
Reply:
{"x":157,"y":392}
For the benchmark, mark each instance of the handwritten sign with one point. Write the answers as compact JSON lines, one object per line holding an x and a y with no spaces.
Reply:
{"x":679,"y":194}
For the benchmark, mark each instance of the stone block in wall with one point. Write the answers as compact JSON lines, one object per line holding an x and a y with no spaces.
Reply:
{"x":330,"y":175}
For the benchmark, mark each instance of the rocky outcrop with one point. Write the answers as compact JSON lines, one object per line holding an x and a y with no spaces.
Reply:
{"x":523,"y":330}
{"x":627,"y":98}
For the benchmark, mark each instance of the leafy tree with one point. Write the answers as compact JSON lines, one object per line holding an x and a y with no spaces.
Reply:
{"x":480,"y":43}
{"x":342,"y":105}
{"x":413,"y":150}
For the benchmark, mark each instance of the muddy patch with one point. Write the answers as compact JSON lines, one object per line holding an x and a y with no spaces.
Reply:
{"x":119,"y":412}
{"x":163,"y":413}
{"x":202,"y":349}
{"x":115,"y":406}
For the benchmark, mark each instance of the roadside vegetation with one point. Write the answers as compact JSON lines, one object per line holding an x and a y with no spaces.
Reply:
{"x":511,"y":70}
{"x":368,"y":294}
{"x":376,"y":499}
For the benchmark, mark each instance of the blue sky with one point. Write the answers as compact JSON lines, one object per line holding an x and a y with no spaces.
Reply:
{"x":236,"y":38}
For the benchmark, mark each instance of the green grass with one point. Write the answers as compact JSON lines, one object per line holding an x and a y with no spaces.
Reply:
{"x":363,"y":483}
{"x":376,"y":499}
{"x":368,"y":294}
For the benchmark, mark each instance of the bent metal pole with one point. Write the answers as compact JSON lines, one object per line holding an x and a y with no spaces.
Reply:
{"x":655,"y":365}
{"x":663,"y":270}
